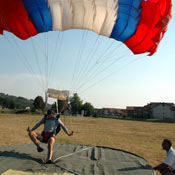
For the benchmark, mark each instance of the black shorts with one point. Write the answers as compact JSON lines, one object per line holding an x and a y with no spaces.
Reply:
{"x":47,"y":136}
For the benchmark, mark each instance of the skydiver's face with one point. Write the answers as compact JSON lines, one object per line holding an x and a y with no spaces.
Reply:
{"x":165,"y":146}
{"x":50,"y":116}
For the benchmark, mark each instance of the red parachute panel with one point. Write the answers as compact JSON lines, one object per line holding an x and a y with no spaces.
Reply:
{"x":14,"y":18}
{"x":155,"y":17}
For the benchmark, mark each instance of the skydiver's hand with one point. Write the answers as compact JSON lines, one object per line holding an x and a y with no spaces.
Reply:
{"x":71,"y":133}
{"x":28,"y":129}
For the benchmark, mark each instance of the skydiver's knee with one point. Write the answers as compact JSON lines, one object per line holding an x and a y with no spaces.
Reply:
{"x":32,"y":134}
{"x":51,"y":141}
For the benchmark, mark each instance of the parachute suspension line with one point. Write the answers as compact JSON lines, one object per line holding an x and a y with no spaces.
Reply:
{"x":92,"y":76}
{"x":97,"y":66}
{"x":82,"y":50}
{"x":46,"y":56}
{"x":56,"y":56}
{"x":106,"y":55}
{"x":105,"y":51}
{"x":99,"y":72}
{"x":114,"y":72}
{"x":99,"y":69}
{"x":66,"y":7}
{"x":57,"y":106}
{"x":88,"y":65}
{"x":54,"y":60}
{"x":90,"y":70}
{"x":85,"y":64}
{"x":89,"y":59}
{"x":46,"y":61}
{"x":46,"y":76}
{"x":26,"y":64}
{"x":46,"y":99}
{"x":110,"y":44}
{"x":96,"y":62}
{"x":78,"y":60}
{"x":67,"y":155}
{"x":22,"y":56}
{"x":31,"y":38}
{"x":86,"y":70}
{"x":93,"y":66}
{"x":36,"y":55}
{"x":37,"y":60}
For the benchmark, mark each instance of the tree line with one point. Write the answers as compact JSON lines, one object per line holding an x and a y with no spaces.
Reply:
{"x":12,"y":102}
{"x":8,"y":103}
{"x":74,"y":105}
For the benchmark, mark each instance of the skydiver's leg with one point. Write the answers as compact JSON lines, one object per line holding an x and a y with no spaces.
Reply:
{"x":166,"y":171}
{"x":35,"y":137}
{"x":50,"y":148}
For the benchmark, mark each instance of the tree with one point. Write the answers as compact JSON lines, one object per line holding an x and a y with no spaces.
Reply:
{"x":5,"y":103}
{"x":12,"y":104}
{"x":76,"y":104}
{"x":39,"y":103}
{"x":88,"y":109}
{"x":62,"y":105}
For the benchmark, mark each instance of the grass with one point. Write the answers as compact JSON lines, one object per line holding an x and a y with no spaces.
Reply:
{"x":140,"y":137}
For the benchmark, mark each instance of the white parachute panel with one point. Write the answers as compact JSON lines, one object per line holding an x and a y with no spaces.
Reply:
{"x":111,"y":16}
{"x":96,"y":15}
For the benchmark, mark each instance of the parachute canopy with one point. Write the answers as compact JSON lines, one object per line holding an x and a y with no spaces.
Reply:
{"x":140,"y":24}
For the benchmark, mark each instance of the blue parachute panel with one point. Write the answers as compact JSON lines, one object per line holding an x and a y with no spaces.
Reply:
{"x":127,"y":20}
{"x":39,"y":13}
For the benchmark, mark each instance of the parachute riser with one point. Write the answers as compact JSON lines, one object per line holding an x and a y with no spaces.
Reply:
{"x":46,"y":99}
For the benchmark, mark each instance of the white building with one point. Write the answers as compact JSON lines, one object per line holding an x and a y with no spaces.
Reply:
{"x":163,"y":110}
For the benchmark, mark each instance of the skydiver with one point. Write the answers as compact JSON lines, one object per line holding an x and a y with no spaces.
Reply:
{"x":168,"y":166}
{"x":52,"y":126}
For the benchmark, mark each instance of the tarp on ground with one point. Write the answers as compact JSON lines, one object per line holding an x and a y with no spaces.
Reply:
{"x":75,"y":159}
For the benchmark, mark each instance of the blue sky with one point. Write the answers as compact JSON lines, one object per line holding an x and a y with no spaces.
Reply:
{"x":113,"y":78}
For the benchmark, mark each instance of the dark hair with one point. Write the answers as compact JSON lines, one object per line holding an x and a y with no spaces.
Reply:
{"x":49,"y":112}
{"x":168,"y":142}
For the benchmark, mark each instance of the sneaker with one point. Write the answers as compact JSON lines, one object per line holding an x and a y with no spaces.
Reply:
{"x":39,"y":149}
{"x":49,"y":162}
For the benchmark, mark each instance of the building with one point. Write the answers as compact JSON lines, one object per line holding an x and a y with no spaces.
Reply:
{"x":111,"y":112}
{"x":134,"y":111}
{"x":160,"y":110}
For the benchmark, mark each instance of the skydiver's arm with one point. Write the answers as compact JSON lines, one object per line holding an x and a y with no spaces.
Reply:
{"x":64,"y":128}
{"x":38,"y":124}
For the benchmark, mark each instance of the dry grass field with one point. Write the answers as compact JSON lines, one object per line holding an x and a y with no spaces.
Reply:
{"x":143,"y":138}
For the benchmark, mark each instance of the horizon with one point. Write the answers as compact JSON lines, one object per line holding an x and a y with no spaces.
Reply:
{"x":92,"y":104}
